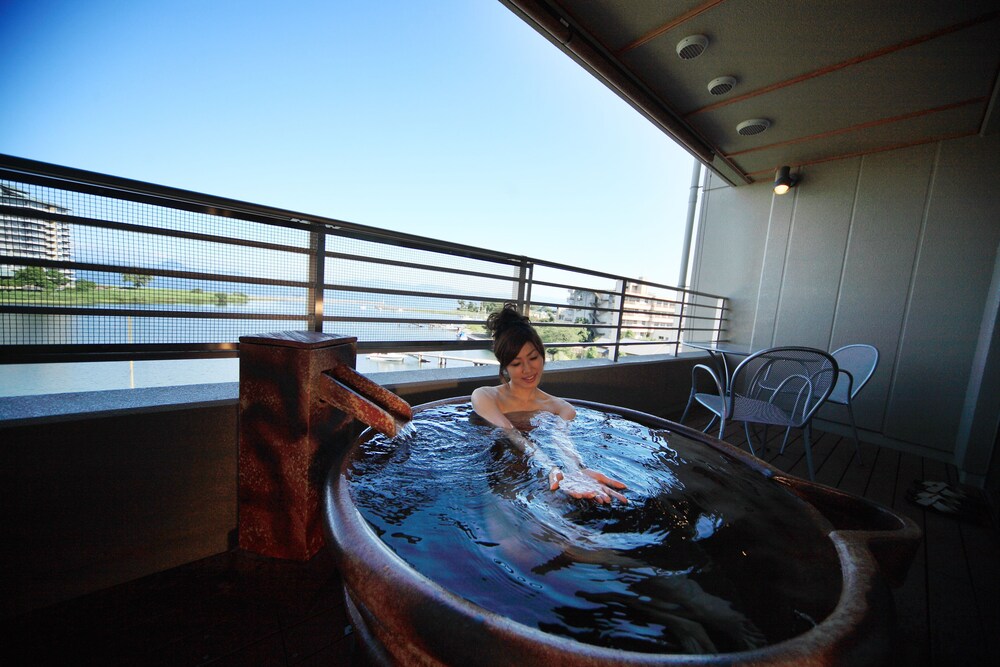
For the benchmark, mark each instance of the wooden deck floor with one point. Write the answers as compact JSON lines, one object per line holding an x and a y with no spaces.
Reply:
{"x":239,"y":609}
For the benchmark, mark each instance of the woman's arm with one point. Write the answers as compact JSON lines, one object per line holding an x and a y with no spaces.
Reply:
{"x":484,"y":402}
{"x":577,"y":481}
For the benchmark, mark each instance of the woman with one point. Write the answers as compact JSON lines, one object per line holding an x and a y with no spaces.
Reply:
{"x":521,"y":354}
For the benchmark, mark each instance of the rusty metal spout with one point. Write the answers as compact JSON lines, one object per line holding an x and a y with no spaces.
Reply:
{"x":353,"y":393}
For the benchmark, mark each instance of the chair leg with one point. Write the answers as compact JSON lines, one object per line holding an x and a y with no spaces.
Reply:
{"x":746,"y":429}
{"x":785,"y":440}
{"x":709,"y":425}
{"x":854,"y":427}
{"x":687,"y":407}
{"x":809,"y":453}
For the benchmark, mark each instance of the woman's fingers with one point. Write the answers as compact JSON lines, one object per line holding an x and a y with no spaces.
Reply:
{"x":618,"y":496}
{"x":604,"y":479}
{"x":585,"y":484}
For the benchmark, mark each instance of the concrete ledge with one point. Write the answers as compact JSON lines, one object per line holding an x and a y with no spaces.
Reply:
{"x":48,"y":408}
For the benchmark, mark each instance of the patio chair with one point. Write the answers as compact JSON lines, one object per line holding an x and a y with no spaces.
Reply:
{"x":856,"y":365}
{"x":780,"y":386}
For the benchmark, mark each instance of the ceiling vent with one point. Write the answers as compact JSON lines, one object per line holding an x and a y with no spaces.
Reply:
{"x":749,"y":128}
{"x":691,"y":47}
{"x":721,"y":85}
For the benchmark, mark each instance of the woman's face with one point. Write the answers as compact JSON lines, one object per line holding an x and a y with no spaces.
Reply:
{"x":525,"y":370}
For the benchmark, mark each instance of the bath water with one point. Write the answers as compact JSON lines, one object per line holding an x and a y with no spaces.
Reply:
{"x":707,"y":556}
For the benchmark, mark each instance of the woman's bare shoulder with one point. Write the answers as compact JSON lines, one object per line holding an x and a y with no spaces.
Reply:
{"x":485,"y":392}
{"x":486,"y":403}
{"x":560,"y":406}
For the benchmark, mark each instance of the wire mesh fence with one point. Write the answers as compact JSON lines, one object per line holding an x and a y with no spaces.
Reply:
{"x":94,"y":267}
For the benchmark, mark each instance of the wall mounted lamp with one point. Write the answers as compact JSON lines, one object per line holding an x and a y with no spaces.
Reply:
{"x":784,"y":181}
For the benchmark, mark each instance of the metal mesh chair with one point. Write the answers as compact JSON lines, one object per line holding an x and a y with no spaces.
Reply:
{"x":781,"y":386}
{"x":856,"y":364}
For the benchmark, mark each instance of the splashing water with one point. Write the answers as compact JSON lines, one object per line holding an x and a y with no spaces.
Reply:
{"x":404,"y":430}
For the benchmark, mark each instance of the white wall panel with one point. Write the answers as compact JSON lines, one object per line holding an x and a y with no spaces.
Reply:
{"x":951,"y":280}
{"x":885,"y":235}
{"x":811,"y":281}
{"x":895,"y":249}
{"x":728,"y":250}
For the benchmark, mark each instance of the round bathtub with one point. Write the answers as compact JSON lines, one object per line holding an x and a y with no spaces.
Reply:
{"x":403,"y":616}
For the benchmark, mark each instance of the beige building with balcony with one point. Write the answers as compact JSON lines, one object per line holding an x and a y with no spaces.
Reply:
{"x":645,"y":314}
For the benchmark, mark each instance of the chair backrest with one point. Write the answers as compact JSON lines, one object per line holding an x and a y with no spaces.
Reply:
{"x":860,"y":361}
{"x":794,"y":380}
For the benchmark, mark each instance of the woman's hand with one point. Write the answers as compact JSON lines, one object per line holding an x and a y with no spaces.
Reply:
{"x":587,"y":483}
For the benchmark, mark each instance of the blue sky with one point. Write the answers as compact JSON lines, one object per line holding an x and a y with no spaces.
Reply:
{"x":450,"y":119}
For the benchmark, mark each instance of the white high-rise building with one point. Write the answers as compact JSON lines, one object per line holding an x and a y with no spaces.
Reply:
{"x":32,"y":237}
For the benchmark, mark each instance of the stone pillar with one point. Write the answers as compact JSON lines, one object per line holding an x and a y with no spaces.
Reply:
{"x":283,"y":430}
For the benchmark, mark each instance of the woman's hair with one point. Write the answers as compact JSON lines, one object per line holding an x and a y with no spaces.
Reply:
{"x":511,"y":330}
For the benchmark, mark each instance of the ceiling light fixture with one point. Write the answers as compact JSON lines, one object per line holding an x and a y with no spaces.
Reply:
{"x":784,"y":181}
{"x":748,"y":128}
{"x":721,"y":85}
{"x":692,"y":46}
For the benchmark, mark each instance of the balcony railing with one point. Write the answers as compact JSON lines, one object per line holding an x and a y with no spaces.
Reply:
{"x":159,"y":273}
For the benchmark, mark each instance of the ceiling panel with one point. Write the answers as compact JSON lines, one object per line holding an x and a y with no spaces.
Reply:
{"x":835,"y":79}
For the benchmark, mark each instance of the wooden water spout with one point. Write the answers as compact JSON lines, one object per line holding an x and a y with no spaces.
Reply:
{"x":345,"y":388}
{"x":299,"y":398}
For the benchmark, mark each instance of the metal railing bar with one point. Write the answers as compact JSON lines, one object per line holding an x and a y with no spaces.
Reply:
{"x":573,"y":269}
{"x":675,"y":288}
{"x":571,"y":325}
{"x":387,"y":291}
{"x":547,"y":283}
{"x":415,"y":265}
{"x":634,"y":328}
{"x":422,"y":346}
{"x":151,"y":313}
{"x":653,"y":300}
{"x":688,"y":318}
{"x":166,"y":273}
{"x":109,"y":347}
{"x":642,"y":343}
{"x":628,"y":297}
{"x":75,"y":355}
{"x":398,"y":320}
{"x":569,"y":306}
{"x":651,"y":313}
{"x":152,"y":231}
{"x":701,"y":329}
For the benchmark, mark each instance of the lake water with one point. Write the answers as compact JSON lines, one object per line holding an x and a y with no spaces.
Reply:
{"x":54,"y":378}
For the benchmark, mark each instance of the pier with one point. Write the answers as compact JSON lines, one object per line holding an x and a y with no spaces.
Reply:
{"x":443,"y":359}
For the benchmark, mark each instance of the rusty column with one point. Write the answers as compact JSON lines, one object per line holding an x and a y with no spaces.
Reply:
{"x":283,"y":430}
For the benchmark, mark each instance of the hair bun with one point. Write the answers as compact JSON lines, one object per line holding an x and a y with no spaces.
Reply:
{"x":505,"y":318}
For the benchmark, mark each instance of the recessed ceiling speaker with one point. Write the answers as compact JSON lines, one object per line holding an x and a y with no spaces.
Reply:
{"x":692,"y":46}
{"x":721,"y":85}
{"x":749,"y":128}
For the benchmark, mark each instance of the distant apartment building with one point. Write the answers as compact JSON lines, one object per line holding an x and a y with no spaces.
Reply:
{"x":642,"y":315}
{"x":31,"y":237}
